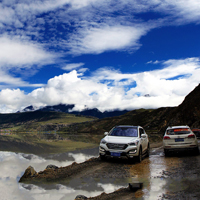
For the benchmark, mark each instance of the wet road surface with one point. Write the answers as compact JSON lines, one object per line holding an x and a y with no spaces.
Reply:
{"x":173,"y":177}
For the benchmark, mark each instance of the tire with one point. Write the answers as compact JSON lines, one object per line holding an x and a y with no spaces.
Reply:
{"x":139,"y":157}
{"x":196,"y":151}
{"x":148,"y":151}
{"x":102,"y":157}
{"x":166,"y":152}
{"x":131,"y":160}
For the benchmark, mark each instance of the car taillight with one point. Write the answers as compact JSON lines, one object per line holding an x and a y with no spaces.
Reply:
{"x":191,"y":136}
{"x":166,"y":137}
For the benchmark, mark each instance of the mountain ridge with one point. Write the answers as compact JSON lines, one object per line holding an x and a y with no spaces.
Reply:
{"x":68,"y":108}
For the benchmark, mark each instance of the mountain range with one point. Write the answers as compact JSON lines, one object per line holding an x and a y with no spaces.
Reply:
{"x":152,"y":120}
{"x":86,"y":112}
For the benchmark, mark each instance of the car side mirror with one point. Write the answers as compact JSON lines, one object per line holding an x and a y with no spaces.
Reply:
{"x":106,"y":133}
{"x":143,"y":136}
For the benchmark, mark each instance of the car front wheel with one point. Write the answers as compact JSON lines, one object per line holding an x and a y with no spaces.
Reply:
{"x":148,"y":151}
{"x":139,"y":157}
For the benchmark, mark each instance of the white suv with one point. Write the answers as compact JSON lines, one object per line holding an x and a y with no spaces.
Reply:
{"x":124,"y":141}
{"x":179,"y":138}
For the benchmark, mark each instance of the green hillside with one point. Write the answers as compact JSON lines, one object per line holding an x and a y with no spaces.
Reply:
{"x":39,"y":121}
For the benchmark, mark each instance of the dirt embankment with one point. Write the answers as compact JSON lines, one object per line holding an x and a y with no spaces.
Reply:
{"x":93,"y":167}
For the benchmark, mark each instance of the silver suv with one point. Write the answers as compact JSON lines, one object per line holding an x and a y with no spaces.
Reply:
{"x":124,"y":141}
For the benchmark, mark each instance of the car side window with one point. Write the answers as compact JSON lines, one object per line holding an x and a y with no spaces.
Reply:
{"x":141,"y":132}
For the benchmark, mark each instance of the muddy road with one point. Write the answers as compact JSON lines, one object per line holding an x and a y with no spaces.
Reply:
{"x":173,"y":177}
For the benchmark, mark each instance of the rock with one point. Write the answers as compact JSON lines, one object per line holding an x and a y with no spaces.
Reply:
{"x":51,"y":167}
{"x":135,"y":186}
{"x":29,"y":172}
{"x":80,"y":197}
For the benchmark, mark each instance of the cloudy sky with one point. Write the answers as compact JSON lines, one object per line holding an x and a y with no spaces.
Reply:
{"x":108,"y":54}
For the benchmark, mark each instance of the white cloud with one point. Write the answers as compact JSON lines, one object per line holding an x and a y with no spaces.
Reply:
{"x":72,"y":66}
{"x":108,"y":89}
{"x":185,"y":11}
{"x":98,"y":40}
{"x":16,"y":52}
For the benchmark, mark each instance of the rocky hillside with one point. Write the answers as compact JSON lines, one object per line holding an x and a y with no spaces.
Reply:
{"x":187,"y":113}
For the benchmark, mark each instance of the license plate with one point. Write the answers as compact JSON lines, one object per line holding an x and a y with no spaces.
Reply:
{"x":179,"y":139}
{"x":115,"y":154}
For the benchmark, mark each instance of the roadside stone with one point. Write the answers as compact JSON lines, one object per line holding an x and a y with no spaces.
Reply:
{"x":80,"y":197}
{"x":52,"y":167}
{"x":29,"y":172}
{"x":135,"y":186}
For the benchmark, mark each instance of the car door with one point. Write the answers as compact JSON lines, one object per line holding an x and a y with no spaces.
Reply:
{"x":143,"y":140}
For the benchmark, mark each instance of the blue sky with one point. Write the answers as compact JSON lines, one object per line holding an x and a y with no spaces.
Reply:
{"x":105,"y":54}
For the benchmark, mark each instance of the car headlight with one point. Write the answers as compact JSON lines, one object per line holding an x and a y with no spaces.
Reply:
{"x":103,"y":141}
{"x":135,"y":143}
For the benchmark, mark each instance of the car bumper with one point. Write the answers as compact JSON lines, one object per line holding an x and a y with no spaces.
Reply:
{"x":181,"y":148}
{"x":128,"y":152}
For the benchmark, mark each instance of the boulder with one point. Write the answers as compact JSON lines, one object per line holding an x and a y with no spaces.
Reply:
{"x":29,"y":172}
{"x":52,"y":167}
{"x":80,"y":197}
{"x":135,"y":186}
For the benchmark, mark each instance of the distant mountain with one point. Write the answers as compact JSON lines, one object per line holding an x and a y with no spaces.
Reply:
{"x":86,"y":112}
{"x":58,"y":108}
{"x":29,"y":108}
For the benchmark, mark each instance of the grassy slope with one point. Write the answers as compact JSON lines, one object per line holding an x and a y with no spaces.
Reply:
{"x":38,"y":120}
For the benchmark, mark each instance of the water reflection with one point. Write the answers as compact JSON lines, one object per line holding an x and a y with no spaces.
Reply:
{"x":149,"y":172}
{"x":14,"y":164}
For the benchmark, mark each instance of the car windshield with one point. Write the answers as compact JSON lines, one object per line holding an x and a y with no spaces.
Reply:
{"x":124,"y":132}
{"x":178,"y":131}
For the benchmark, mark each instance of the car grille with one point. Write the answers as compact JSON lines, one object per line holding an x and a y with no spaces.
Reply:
{"x":117,"y":146}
